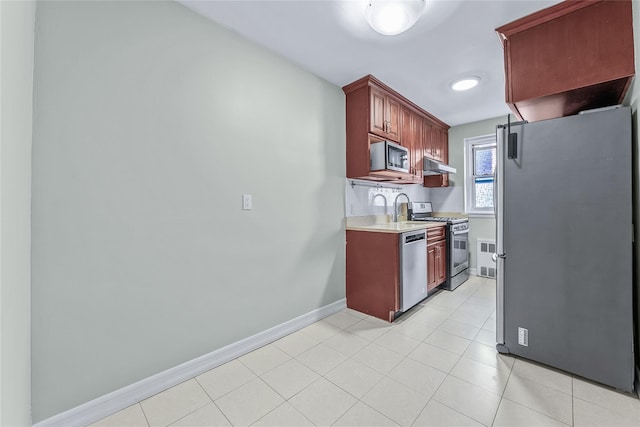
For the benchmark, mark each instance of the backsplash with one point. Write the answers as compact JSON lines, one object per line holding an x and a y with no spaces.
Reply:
{"x":448,"y":199}
{"x":372,"y":198}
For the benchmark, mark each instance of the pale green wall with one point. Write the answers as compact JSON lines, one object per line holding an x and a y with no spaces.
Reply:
{"x":479,"y":227}
{"x":150,"y":122}
{"x":17,"y":21}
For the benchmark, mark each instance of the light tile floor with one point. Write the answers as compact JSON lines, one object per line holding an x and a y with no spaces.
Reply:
{"x":435,"y":366}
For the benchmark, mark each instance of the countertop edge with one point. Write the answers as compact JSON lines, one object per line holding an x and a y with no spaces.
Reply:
{"x":392,"y":227}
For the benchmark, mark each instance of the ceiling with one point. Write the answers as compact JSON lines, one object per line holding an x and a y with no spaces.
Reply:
{"x":331,"y":39}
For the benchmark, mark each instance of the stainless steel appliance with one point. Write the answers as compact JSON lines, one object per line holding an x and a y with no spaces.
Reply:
{"x":457,"y":230}
{"x":413,"y":268}
{"x":433,"y":167}
{"x":565,"y":282}
{"x":386,"y":155}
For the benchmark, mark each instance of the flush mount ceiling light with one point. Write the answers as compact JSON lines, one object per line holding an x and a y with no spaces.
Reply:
{"x":465,"y":83}
{"x":391,"y":17}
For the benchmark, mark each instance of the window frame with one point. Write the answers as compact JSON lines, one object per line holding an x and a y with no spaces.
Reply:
{"x":469,"y":145}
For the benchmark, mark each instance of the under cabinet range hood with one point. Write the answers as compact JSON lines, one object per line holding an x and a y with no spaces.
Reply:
{"x":433,"y":167}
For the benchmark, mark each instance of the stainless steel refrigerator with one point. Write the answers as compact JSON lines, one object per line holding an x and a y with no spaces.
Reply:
{"x":564,"y":238}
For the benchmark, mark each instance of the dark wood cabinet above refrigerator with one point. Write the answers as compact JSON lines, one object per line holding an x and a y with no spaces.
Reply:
{"x":573,"y":56}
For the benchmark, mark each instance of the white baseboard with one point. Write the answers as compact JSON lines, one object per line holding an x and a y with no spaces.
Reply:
{"x":473,"y":271}
{"x":117,"y":400}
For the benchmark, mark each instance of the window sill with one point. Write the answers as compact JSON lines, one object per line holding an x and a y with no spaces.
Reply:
{"x":481,"y":215}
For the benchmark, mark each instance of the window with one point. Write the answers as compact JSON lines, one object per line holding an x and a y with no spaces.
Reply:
{"x":479,"y":174}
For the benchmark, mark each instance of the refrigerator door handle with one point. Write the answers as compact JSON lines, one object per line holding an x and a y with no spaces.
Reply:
{"x":512,"y":141}
{"x":500,"y":255}
{"x":512,"y":151}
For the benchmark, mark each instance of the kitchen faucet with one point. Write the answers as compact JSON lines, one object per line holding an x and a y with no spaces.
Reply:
{"x":395,"y":206}
{"x":385,"y":201}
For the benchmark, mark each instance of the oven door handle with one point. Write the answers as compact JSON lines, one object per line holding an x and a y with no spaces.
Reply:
{"x":456,"y":233}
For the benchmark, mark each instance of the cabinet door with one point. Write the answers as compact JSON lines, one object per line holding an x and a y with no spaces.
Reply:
{"x":431,"y":266}
{"x":438,"y":264}
{"x":441,"y":262}
{"x":411,"y":137}
{"x":445,"y":146}
{"x":435,"y":181}
{"x":436,"y":149}
{"x":440,"y":142}
{"x":385,"y":115}
{"x":392,"y":112}
{"x":377,"y":119}
{"x":406,"y":133}
{"x":427,"y":141}
{"x":417,"y":152}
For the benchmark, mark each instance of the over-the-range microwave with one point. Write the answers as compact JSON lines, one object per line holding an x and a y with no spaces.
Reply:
{"x":386,"y":155}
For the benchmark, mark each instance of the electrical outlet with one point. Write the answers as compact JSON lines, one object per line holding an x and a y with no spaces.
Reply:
{"x":523,"y":337}
{"x":247,"y":203}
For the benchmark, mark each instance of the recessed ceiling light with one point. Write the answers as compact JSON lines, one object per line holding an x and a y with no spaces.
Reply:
{"x":465,"y":83}
{"x":391,"y":17}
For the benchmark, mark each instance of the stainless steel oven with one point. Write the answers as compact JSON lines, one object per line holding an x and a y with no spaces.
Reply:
{"x":457,"y":229}
{"x":458,"y":252}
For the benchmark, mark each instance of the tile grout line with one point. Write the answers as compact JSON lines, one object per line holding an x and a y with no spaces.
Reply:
{"x":503,"y":391}
{"x":460,"y":357}
{"x":212,"y":400}
{"x":348,"y":357}
{"x":448,"y":374}
{"x":322,"y":376}
{"x":542,"y":385}
{"x":405,"y":357}
{"x":144,"y":414}
{"x":573,"y":408}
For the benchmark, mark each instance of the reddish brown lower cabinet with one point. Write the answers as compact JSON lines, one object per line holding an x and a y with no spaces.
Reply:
{"x":373,"y":273}
{"x":431,"y":266}
{"x":436,"y":257}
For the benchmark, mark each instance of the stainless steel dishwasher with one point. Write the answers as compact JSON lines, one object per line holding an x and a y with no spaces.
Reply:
{"x":413,"y":268}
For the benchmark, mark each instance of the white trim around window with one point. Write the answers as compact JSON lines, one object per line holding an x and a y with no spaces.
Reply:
{"x":471,"y":180}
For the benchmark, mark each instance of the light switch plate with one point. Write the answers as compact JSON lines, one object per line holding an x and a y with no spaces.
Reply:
{"x":247,"y":203}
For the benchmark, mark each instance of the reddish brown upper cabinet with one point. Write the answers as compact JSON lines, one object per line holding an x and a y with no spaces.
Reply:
{"x":437,"y":145}
{"x":417,"y":147}
{"x":572,"y":56}
{"x":427,"y":138}
{"x":440,"y":152}
{"x":375,"y":112}
{"x":385,"y":115}
{"x":412,"y":138}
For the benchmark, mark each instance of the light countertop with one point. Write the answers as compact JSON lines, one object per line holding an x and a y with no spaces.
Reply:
{"x":382,"y":224}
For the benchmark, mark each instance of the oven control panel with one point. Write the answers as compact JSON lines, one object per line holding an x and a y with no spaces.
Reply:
{"x":460,"y":227}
